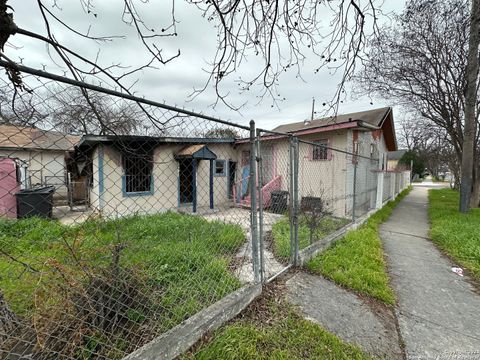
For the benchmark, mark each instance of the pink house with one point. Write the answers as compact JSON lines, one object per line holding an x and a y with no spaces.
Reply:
{"x":9,"y":185}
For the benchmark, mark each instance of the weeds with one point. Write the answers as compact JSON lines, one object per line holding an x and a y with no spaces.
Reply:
{"x":270,"y":328}
{"x":281,"y":233}
{"x":455,"y":233}
{"x":103,"y":288}
{"x":356,"y":260}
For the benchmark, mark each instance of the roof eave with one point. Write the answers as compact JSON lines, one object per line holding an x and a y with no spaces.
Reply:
{"x":23,"y":148}
{"x":92,"y":140}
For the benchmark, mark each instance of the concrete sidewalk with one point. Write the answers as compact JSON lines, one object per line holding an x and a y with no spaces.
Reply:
{"x":438,"y":311}
{"x":352,"y":318}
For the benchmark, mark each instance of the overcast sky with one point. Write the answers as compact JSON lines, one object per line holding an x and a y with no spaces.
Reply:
{"x":174,"y":82}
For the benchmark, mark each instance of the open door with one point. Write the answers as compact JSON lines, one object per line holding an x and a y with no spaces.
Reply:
{"x":186,"y":180}
{"x":232,"y":169}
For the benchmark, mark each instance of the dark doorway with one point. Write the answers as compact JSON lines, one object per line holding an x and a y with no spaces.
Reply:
{"x":232,"y":169}
{"x":186,"y":181}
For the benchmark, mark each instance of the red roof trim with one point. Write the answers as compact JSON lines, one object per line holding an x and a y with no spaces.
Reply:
{"x":333,"y":127}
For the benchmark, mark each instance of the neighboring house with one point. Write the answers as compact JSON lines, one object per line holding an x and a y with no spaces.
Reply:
{"x":40,"y":154}
{"x":327,"y":173}
{"x":140,"y":174}
{"x":394,"y":158}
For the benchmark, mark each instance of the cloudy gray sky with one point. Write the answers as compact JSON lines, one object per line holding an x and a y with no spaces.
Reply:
{"x":174,"y":82}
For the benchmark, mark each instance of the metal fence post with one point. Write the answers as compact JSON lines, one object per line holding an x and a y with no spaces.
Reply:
{"x":411,"y":171}
{"x":379,"y":200}
{"x":260,"y":206}
{"x":354,"y":187}
{"x":291,"y":207}
{"x":393,"y":181}
{"x":294,"y":194}
{"x":253,"y":204}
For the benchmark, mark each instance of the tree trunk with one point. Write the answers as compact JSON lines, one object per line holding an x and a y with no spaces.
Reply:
{"x":470,"y":109}
{"x":475,"y":197}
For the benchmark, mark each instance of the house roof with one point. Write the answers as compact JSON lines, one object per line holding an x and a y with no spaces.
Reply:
{"x":396,"y":155}
{"x":27,"y":138}
{"x":374,"y":117}
{"x":90,"y":141}
{"x":371,"y":120}
{"x":198,"y":151}
{"x":190,"y":150}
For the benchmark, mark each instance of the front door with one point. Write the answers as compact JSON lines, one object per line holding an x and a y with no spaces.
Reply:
{"x":186,"y":179}
{"x":232,"y":169}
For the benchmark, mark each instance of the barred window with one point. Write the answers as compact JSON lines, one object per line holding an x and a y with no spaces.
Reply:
{"x":320,"y":152}
{"x":138,"y":173}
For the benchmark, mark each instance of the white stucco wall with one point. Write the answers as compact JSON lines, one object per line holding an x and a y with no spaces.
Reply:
{"x":113,"y":201}
{"x":44,"y":167}
{"x":41,"y":163}
{"x":366,"y":177}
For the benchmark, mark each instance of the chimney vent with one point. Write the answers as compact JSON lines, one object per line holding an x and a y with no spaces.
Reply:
{"x":309,"y":121}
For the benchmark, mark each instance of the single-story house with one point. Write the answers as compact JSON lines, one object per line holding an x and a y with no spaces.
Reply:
{"x":41,"y":155}
{"x":140,"y":174}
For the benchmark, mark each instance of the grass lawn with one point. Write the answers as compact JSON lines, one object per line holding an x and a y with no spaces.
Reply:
{"x":274,"y":331}
{"x":455,"y":233}
{"x":356,"y":260}
{"x":171,"y":266}
{"x":281,"y":234}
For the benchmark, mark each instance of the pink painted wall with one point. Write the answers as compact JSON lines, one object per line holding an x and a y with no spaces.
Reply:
{"x":8,"y":187}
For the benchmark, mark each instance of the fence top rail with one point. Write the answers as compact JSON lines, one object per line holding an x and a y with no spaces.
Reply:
{"x":84,"y":85}
{"x":338,"y":150}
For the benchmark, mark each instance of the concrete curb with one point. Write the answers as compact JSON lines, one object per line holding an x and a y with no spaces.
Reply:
{"x":320,"y":246}
{"x":179,"y":339}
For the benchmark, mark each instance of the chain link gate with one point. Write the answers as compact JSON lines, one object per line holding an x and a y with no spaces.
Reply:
{"x":276,"y":202}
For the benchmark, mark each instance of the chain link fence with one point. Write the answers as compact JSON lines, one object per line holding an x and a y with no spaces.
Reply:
{"x":121,"y":218}
{"x":143,"y":232}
